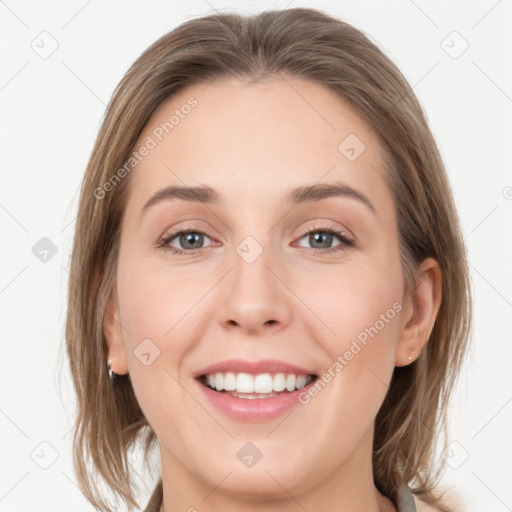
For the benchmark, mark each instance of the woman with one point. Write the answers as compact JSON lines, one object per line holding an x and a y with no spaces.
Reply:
{"x":301,"y":352}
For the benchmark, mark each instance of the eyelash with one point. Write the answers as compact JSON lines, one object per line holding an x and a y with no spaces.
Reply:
{"x":346,"y":241}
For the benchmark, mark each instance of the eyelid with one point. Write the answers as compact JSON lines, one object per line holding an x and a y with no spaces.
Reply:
{"x":186,"y":227}
{"x":327,"y":227}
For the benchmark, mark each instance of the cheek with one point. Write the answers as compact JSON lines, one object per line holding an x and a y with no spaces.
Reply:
{"x":156,"y":309}
{"x":157,"y":304}
{"x":356,"y":298}
{"x":361,"y":312}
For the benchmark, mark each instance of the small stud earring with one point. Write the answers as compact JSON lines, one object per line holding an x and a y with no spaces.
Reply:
{"x":410,"y":358}
{"x":111,"y":373}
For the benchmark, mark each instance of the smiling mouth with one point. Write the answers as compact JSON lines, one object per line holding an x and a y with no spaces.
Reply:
{"x":249,"y":386}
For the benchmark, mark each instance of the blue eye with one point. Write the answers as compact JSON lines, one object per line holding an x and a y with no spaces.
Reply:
{"x":192,"y":240}
{"x":326,"y":235}
{"x":184,"y":237}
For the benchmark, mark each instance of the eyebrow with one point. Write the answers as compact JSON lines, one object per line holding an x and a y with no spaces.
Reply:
{"x":303,"y":194}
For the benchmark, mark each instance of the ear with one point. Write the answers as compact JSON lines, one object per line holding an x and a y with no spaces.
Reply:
{"x":113,"y":333}
{"x":421,"y":306}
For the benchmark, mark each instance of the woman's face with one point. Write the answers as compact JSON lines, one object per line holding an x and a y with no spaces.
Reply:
{"x":260,"y":278}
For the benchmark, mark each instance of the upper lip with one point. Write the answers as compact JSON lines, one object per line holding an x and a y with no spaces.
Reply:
{"x":252,"y":367}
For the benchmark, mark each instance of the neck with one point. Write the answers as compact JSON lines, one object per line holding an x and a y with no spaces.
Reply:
{"x":348,"y":488}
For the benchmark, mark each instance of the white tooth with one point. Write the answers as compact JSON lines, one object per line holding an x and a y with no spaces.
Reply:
{"x":279,"y":382}
{"x":263,"y":383}
{"x":301,"y":381}
{"x":244,"y":383}
{"x":229,"y":381}
{"x":290,"y":382}
{"x":219,"y":381}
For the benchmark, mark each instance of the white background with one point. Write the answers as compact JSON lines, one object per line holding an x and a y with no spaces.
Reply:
{"x":51,"y":110}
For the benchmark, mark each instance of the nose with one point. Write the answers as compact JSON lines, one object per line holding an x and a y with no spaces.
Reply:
{"x":254,"y":298}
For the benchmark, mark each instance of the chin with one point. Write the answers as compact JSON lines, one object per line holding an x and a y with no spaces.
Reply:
{"x":257,"y":485}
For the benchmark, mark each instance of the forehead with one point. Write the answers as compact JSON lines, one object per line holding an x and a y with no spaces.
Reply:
{"x":256,"y":138}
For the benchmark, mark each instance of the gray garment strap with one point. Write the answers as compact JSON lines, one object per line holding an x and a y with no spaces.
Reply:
{"x":406,"y":499}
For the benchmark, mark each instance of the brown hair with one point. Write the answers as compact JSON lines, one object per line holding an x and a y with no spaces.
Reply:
{"x":312,"y":45}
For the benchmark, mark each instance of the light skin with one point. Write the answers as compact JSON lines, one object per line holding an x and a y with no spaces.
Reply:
{"x":296,"y":302}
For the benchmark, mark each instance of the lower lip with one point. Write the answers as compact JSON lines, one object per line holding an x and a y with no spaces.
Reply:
{"x":253,"y":409}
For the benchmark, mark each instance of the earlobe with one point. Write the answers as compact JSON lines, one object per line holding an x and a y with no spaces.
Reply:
{"x":113,"y":333}
{"x":420,"y":312}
